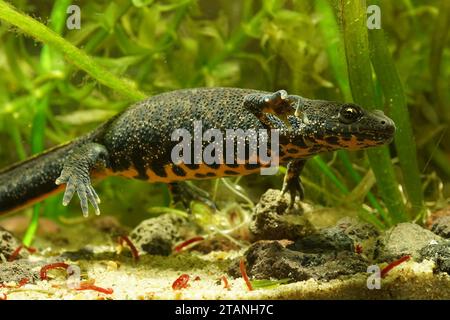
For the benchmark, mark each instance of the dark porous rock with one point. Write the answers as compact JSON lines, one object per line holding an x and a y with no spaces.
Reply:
{"x":18,"y":270}
{"x":158,"y":235}
{"x":440,"y":254}
{"x":8,"y":244}
{"x":273,"y":220}
{"x":215,"y":244}
{"x":271,"y":259}
{"x":441,"y":227}
{"x":344,"y":236}
{"x":357,"y":230}
{"x":327,"y":239}
{"x":404,"y":239}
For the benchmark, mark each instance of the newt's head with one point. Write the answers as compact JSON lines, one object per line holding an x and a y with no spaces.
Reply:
{"x":332,"y":125}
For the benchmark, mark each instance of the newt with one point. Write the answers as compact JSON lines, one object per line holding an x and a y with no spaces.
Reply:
{"x":136,"y":143}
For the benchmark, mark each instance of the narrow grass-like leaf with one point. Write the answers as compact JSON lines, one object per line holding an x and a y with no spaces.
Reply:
{"x":317,"y":161}
{"x":37,"y":145}
{"x":363,"y":92}
{"x":395,"y":104}
{"x":268,"y":284}
{"x":438,"y":45}
{"x":336,"y":54}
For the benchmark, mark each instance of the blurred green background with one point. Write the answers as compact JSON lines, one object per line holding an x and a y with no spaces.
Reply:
{"x":51,"y":93}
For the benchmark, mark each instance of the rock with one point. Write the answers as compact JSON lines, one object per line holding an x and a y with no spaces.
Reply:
{"x":357,"y":230}
{"x":441,"y":227}
{"x":327,"y":239}
{"x":8,"y":244}
{"x":345,"y":236}
{"x":404,"y":239}
{"x":272,"y":220}
{"x":443,"y":212}
{"x":440,"y":254}
{"x":158,"y":235}
{"x":19,"y":270}
{"x":215,"y":244}
{"x":270,"y":259}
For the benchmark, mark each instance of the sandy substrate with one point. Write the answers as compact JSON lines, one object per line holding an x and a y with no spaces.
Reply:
{"x":150,"y":278}
{"x":92,"y":249}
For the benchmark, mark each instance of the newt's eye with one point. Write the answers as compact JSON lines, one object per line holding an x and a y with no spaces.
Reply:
{"x":349,"y":114}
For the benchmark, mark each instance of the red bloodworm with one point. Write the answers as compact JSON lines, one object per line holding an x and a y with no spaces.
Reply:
{"x":5,"y":297}
{"x":31,"y":249}
{"x":46,"y":268}
{"x":393,"y":264}
{"x":88,"y":286}
{"x":130,"y":244}
{"x":179,"y":247}
{"x":244,"y":274}
{"x":15,"y":253}
{"x":226,"y":284}
{"x":23,"y":282}
{"x":181,"y":282}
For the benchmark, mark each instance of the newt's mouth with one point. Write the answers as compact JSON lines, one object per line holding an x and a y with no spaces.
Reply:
{"x":379,"y":137}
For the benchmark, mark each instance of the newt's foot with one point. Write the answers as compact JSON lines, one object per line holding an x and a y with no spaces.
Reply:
{"x":82,"y":185}
{"x":295,"y":188}
{"x":292,"y":182}
{"x":186,"y":193}
{"x":76,"y":175}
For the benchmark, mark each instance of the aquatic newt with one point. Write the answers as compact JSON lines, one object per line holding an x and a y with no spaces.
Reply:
{"x":136,"y":143}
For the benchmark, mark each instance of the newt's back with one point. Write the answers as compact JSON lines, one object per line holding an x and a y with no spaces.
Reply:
{"x":141,"y":136}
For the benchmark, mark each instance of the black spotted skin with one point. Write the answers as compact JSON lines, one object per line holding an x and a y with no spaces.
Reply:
{"x":138,"y":140}
{"x":141,"y":137}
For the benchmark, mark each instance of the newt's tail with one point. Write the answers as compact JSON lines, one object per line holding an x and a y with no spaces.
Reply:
{"x":32,"y":180}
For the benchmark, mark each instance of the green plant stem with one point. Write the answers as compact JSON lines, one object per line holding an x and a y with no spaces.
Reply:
{"x":317,"y":161}
{"x":335,"y":48}
{"x":361,"y":84}
{"x":439,"y":158}
{"x":357,"y":178}
{"x":438,"y":45}
{"x":17,"y":138}
{"x":74,"y":55}
{"x":336,"y":54}
{"x":395,"y":102}
{"x":37,"y":145}
{"x":48,"y":55}
{"x":32,"y":226}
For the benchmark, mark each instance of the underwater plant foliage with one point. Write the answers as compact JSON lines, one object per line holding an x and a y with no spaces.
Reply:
{"x":58,"y":83}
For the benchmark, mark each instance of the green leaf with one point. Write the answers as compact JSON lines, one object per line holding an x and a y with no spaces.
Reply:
{"x":81,"y":117}
{"x":141,"y":3}
{"x":268,"y":284}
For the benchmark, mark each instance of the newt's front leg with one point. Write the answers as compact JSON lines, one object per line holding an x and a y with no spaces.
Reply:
{"x":270,"y":109}
{"x":292,"y":181}
{"x":76,"y":175}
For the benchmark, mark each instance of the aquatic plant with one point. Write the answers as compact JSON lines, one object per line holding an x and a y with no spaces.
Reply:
{"x":318,"y":49}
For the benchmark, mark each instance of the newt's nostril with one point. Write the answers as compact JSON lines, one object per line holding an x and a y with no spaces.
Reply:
{"x":383,"y":122}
